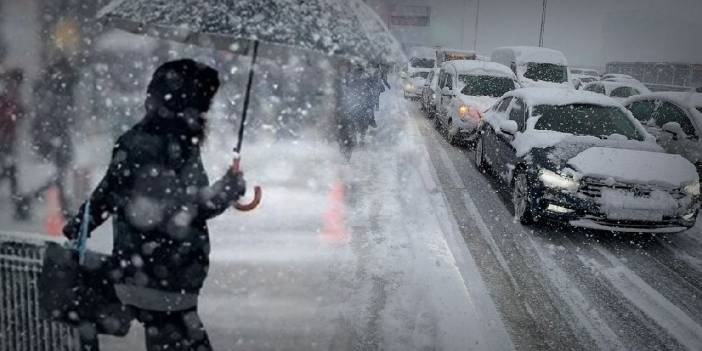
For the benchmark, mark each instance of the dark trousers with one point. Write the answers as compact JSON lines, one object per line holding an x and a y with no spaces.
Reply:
{"x":171,"y":331}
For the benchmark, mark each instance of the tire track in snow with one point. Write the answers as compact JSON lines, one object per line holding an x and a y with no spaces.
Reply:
{"x":534,"y":322}
{"x":666,"y":314}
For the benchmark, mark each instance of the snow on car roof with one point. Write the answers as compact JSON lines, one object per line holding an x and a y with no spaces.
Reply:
{"x":610,"y":85}
{"x":526,"y":54}
{"x":561,"y":97}
{"x":480,"y":67}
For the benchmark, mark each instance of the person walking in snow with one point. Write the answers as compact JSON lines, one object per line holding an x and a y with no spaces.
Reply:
{"x":12,"y":112}
{"x":54,"y":121}
{"x":158,"y":194}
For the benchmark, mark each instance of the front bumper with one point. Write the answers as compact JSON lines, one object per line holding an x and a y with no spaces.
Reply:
{"x":466,"y":128}
{"x":585,"y":212}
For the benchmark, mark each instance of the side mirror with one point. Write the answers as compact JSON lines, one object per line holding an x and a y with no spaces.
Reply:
{"x":675,"y":129}
{"x":445,"y":91}
{"x":403,"y":74}
{"x":509,"y":127}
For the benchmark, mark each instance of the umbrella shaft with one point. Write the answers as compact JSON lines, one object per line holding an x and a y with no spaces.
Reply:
{"x":247,"y":97}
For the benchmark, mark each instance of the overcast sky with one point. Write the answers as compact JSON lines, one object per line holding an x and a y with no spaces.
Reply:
{"x":589,"y":32}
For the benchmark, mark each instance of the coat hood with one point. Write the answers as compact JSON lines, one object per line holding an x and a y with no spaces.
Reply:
{"x":178,"y":96}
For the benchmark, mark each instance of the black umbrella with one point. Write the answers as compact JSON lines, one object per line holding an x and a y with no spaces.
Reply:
{"x":341,"y":28}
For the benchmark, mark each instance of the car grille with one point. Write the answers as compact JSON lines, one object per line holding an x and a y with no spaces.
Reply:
{"x":592,"y":187}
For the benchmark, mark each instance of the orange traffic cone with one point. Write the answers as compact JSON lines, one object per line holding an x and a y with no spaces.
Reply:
{"x":53,"y":218}
{"x":335,"y":230}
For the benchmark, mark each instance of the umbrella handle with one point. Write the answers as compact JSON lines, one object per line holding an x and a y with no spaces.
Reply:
{"x":258,"y":196}
{"x":258,"y":192}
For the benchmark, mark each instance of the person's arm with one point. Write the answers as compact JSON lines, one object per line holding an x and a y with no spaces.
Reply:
{"x":104,"y":201}
{"x":217,"y":198}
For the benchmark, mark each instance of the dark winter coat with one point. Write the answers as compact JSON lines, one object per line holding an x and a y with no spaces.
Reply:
{"x":156,"y":189}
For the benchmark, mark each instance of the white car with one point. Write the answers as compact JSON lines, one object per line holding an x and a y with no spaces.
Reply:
{"x":469,"y":88}
{"x":675,"y":119}
{"x":619,"y":91}
{"x":414,"y":84}
{"x":579,"y":80}
{"x":535,"y":66}
{"x":585,"y":72}
{"x":430,"y":93}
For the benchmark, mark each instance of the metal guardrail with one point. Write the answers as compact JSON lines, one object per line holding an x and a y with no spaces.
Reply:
{"x":21,"y":326}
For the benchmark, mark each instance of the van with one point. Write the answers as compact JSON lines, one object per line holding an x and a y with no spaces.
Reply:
{"x":535,"y":66}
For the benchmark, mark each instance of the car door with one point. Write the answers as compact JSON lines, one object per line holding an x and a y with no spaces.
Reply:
{"x":446,"y":97}
{"x":490,"y":135}
{"x":687,"y":146}
{"x":507,"y":153}
{"x":426,"y":90}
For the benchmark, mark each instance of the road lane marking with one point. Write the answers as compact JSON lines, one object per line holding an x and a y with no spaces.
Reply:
{"x":656,"y":306}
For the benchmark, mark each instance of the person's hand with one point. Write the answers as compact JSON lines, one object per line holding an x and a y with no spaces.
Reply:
{"x":72,"y":229}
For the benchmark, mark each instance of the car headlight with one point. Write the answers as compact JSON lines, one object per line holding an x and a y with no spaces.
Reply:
{"x":692,"y":189}
{"x":409,"y":86}
{"x":556,"y":181}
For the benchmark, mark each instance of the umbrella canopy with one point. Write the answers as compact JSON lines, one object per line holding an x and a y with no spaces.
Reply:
{"x":342,"y":28}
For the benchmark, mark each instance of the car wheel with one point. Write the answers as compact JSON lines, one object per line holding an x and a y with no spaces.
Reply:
{"x":479,"y":155}
{"x":437,"y":123}
{"x":521,"y":194}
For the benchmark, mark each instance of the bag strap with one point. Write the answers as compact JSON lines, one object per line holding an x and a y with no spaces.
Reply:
{"x":81,"y":243}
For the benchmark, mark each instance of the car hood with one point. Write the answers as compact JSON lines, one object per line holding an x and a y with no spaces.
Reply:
{"x":482,"y":103}
{"x":634,"y":166}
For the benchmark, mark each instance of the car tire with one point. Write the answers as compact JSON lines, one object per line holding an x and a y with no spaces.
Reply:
{"x":521,"y":199}
{"x":437,"y":124}
{"x":452,"y":138}
{"x":480,"y":163}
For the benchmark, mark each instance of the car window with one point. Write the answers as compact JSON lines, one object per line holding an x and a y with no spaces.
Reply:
{"x":624,"y":92}
{"x":518,"y":113}
{"x":642,"y":110}
{"x":502,"y":107}
{"x":547,"y":72}
{"x":596,"y":88}
{"x":668,"y":112}
{"x":449,"y":81}
{"x":586,"y":119}
{"x":486,"y":85}
{"x":430,"y":76}
{"x":442,"y":79}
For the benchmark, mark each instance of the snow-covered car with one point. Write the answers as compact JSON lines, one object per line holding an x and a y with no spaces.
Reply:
{"x":589,"y":72}
{"x":580,"y":80}
{"x":675,"y":119}
{"x":413,"y":85}
{"x":469,"y":88}
{"x":619,"y":91}
{"x":580,"y":158}
{"x":617,"y":76}
{"x":430,"y":93}
{"x":535,"y":66}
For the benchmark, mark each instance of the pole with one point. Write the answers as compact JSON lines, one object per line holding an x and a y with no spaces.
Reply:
{"x":247,"y":97}
{"x":477,"y":17}
{"x":543,"y":24}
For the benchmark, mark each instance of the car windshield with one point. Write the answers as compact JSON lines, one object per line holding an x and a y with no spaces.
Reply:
{"x":586,"y":119}
{"x":484,"y":85}
{"x":699,"y":109}
{"x":420,"y":75}
{"x":624,"y":92}
{"x":547,"y":72}
{"x":417,"y":62}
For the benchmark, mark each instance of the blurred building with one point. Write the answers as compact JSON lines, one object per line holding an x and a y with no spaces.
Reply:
{"x":448,"y":23}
